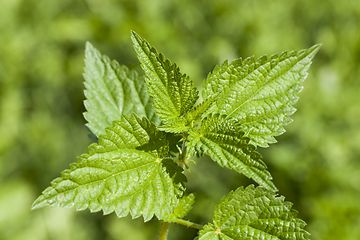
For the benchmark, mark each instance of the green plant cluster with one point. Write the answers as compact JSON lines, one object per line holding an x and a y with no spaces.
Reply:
{"x":315,"y":165}
{"x":130,"y":170}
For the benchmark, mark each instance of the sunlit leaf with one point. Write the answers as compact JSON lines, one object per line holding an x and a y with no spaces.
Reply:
{"x":182,"y":209}
{"x":224,"y":141}
{"x":112,"y":90}
{"x":123,"y":173}
{"x":174,"y":93}
{"x":260,"y":93}
{"x":252,"y":214}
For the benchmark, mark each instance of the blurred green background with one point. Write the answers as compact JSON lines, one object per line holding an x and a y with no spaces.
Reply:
{"x":315,"y":164}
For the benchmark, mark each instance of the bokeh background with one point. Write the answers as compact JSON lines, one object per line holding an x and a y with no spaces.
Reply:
{"x":315,"y":164}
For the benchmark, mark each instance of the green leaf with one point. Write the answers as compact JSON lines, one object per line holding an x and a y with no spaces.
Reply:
{"x":196,"y":114}
{"x":175,"y":143}
{"x":226,"y":144}
{"x":173,"y":92}
{"x":177,"y":125}
{"x":182,"y":209}
{"x":174,"y":170}
{"x":185,"y":205}
{"x":260,"y":93}
{"x":254,"y":213}
{"x":112,"y":90}
{"x":123,"y":173}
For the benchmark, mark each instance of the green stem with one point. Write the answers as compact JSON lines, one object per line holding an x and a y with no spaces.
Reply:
{"x":164,"y":231}
{"x":183,"y":149}
{"x":189,"y":224}
{"x":183,"y":155}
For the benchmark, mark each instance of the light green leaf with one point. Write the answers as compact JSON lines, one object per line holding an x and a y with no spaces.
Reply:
{"x":181,"y":210}
{"x":196,"y":114}
{"x":177,"y":125}
{"x":226,"y":144}
{"x":123,"y":173}
{"x":173,"y":92}
{"x":254,"y":213}
{"x":112,"y":90}
{"x":185,"y":205}
{"x":260,"y":93}
{"x":140,"y":101}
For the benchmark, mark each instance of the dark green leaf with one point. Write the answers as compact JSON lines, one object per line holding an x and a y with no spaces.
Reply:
{"x":174,"y":170}
{"x":226,"y":144}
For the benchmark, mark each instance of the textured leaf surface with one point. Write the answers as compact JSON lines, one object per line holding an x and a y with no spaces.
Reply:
{"x":123,"y":173}
{"x":174,"y":93}
{"x":254,"y":213}
{"x":181,"y":210}
{"x":260,"y":93}
{"x":196,"y":114}
{"x":178,"y":125}
{"x":174,"y":170}
{"x":225,"y":143}
{"x":112,"y":90}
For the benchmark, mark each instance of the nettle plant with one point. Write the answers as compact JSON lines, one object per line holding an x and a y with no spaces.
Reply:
{"x":148,"y":128}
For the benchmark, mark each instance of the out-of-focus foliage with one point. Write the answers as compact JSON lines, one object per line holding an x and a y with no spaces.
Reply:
{"x":42,"y":129}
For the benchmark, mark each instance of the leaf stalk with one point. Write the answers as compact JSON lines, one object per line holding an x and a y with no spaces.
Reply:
{"x":188,"y":223}
{"x":164,"y":231}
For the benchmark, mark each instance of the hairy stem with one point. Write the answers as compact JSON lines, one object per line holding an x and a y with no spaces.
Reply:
{"x":189,"y":224}
{"x":164,"y":231}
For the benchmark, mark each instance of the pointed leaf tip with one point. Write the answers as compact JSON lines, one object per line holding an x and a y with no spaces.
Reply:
{"x":174,"y":93}
{"x":122,"y":173}
{"x":133,"y":33}
{"x":312,"y":51}
{"x":260,"y":93}
{"x":88,"y":45}
{"x":38,"y":203}
{"x":135,"y":37}
{"x":317,"y":46}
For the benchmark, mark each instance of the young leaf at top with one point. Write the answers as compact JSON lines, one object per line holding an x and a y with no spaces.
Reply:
{"x":112,"y":90}
{"x":224,"y":141}
{"x":196,"y":114}
{"x":252,"y":214}
{"x":177,"y":125}
{"x":123,"y":173}
{"x":260,"y":93}
{"x":173,"y":92}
